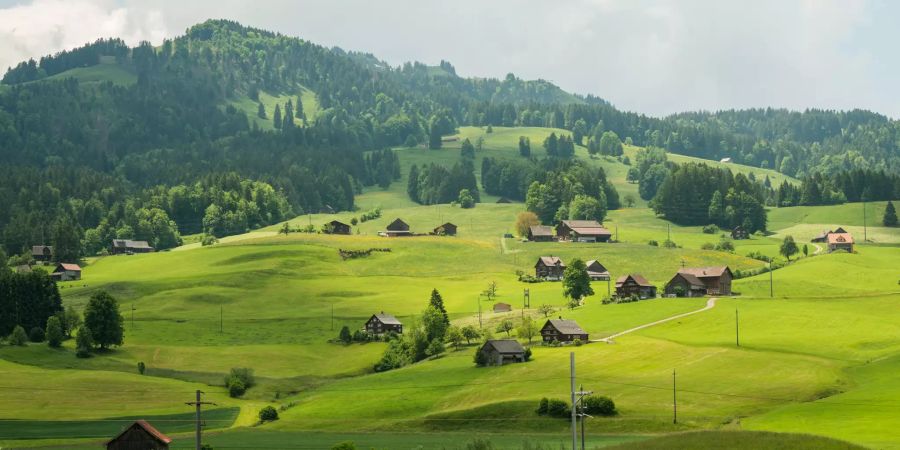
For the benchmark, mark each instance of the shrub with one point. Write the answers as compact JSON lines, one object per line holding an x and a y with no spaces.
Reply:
{"x":268,"y":414}
{"x":653,"y":243}
{"x":360,"y":336}
{"x":577,"y":342}
{"x":543,"y":406}
{"x":558,"y":408}
{"x":141,"y":367}
{"x":598,"y":405}
{"x":345,"y":335}
{"x":36,"y":334}
{"x":236,"y":388}
{"x":669,"y":244}
{"x":18,"y":336}
{"x":239,"y":380}
{"x":710,"y":229}
{"x":725,"y":245}
{"x":344,"y":446}
{"x":527,"y":353}
{"x":481,"y":359}
{"x":708,"y":246}
{"x":480,"y":444}
{"x":84,"y":342}
{"x":354,"y":221}
{"x":207,"y":240}
{"x":54,"y":332}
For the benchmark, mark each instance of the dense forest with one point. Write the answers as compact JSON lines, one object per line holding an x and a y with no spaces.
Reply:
{"x":171,"y":154}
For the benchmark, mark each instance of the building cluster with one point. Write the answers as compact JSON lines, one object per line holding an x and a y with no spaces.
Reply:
{"x":570,"y":230}
{"x":838,"y":239}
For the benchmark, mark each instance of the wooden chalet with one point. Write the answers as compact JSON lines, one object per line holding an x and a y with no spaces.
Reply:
{"x":447,"y":229}
{"x":127,"y":246}
{"x":66,"y":272}
{"x":582,"y":231}
{"x":337,"y":227}
{"x":739,"y":233}
{"x":596,"y":271}
{"x":43,"y":253}
{"x":697,"y":282}
{"x":383,"y":323}
{"x":397,"y":228}
{"x":634,"y":284}
{"x":840,"y":241}
{"x":502,"y":307}
{"x":498,"y":352}
{"x":823,"y":236}
{"x":139,"y":436}
{"x":562,"y":330}
{"x":549,"y":268}
{"x":540,"y":233}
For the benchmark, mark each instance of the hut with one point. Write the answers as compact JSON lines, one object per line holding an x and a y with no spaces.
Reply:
{"x":139,"y":436}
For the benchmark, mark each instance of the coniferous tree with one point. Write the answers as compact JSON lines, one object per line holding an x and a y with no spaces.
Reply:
{"x":412,"y":184}
{"x":438,"y":303}
{"x":276,"y":117}
{"x":890,"y":215}
{"x":261,"y":111}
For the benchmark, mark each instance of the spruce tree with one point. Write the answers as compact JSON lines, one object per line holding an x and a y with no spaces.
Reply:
{"x":890,"y":215}
{"x":438,"y":303}
{"x":261,"y":111}
{"x":276,"y":117}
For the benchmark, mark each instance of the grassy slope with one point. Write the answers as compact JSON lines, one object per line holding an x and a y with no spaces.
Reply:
{"x":732,"y":440}
{"x":106,"y":71}
{"x":270,"y":99}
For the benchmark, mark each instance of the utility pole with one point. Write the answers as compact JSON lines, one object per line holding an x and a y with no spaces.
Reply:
{"x":737,"y":329}
{"x":132,"y":317}
{"x":771,"y":287}
{"x":574,"y":401}
{"x":617,"y":233}
{"x":221,"y":319}
{"x":198,"y":404}
{"x":865,"y":235}
{"x":480,"y":326}
{"x":668,"y":232}
{"x":332,"y":316}
{"x":674,"y":400}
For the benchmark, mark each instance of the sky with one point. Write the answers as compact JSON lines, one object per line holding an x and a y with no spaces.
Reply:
{"x":650,"y":56}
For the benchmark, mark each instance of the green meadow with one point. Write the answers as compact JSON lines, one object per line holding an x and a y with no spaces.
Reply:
{"x":819,"y":357}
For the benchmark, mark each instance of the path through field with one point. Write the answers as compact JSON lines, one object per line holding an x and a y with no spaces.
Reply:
{"x":710,"y":304}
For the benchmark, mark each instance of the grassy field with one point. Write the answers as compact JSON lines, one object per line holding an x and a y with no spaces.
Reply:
{"x":107,"y":70}
{"x":817,"y":358}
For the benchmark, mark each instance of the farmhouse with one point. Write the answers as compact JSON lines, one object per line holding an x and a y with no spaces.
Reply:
{"x":840,"y":241}
{"x":562,"y":330}
{"x":634,"y":284}
{"x":337,"y":227}
{"x":501,"y":351}
{"x":540,"y":233}
{"x":696,"y":282}
{"x":502,"y":307}
{"x":66,"y":272}
{"x":596,"y":271}
{"x":42,"y":253}
{"x":549,"y":268}
{"x":398,"y":228}
{"x":383,"y":323}
{"x":739,"y":233}
{"x":139,"y":436}
{"x":582,"y":231}
{"x":447,"y":229}
{"x":120,"y":246}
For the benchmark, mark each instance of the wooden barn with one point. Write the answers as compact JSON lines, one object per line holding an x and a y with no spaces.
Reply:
{"x":700,"y":281}
{"x":139,"y":436}
{"x":502,"y":307}
{"x":634,"y":284}
{"x":540,"y":233}
{"x":498,"y":352}
{"x":549,"y":268}
{"x":66,"y":272}
{"x":563,"y":330}
{"x":596,"y":271}
{"x":42,"y":253}
{"x":582,"y":231}
{"x":739,"y":233}
{"x":337,"y":227}
{"x":383,"y":323}
{"x":840,"y":241}
{"x":447,"y":229}
{"x":127,"y":246}
{"x":397,"y":228}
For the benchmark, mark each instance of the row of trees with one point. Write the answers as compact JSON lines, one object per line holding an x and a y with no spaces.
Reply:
{"x":434,"y":183}
{"x":854,"y":186}
{"x":566,"y":190}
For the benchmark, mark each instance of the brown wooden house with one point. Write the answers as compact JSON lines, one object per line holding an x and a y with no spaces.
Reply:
{"x":127,"y":246}
{"x":383,"y":323}
{"x":596,"y":271}
{"x":337,"y":227}
{"x":549,"y":268}
{"x":43,"y":253}
{"x":540,"y":233}
{"x":447,"y":229}
{"x":840,"y":241}
{"x":700,"y":281}
{"x":562,"y":330}
{"x":739,"y":233}
{"x":582,"y":231}
{"x":634,"y":284}
{"x":498,"y":352}
{"x":66,"y":272}
{"x":139,"y":436}
{"x":397,"y":228}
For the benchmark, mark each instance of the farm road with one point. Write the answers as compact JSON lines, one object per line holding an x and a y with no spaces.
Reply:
{"x":710,"y":304}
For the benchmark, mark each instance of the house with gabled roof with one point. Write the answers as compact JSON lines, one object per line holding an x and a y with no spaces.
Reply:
{"x":397,"y":228}
{"x":139,"y":436}
{"x":840,"y":241}
{"x":447,"y":229}
{"x":549,"y":268}
{"x":336,"y":227}
{"x":42,"y":253}
{"x":498,"y":352}
{"x":563,"y":330}
{"x":540,"y":233}
{"x":582,"y":231}
{"x":382,"y":323}
{"x":596,"y":271}
{"x":634,"y":284}
{"x":700,"y":281}
{"x":128,"y":246}
{"x":66,"y":272}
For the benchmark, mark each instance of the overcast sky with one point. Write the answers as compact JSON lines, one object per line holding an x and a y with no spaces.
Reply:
{"x":655,"y":57}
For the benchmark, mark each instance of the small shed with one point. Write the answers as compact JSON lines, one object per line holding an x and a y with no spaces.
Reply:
{"x":42,"y":253}
{"x":398,"y":228}
{"x":501,"y":307}
{"x":685,"y":285}
{"x":563,"y":330}
{"x":501,"y":351}
{"x":596,"y":271}
{"x":139,"y":436}
{"x":447,"y":229}
{"x":540,"y":233}
{"x":66,"y":272}
{"x":739,"y":233}
{"x":337,"y":227}
{"x":383,"y":323}
{"x":634,"y":284}
{"x":549,"y":268}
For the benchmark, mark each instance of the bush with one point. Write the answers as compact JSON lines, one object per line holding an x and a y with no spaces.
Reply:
{"x":236,"y":388}
{"x":578,"y":342}
{"x":598,"y":405}
{"x":207,"y":240}
{"x":141,"y":367}
{"x":36,"y":334}
{"x":543,"y":406}
{"x":18,"y":336}
{"x":239,"y":380}
{"x":708,"y":246}
{"x":481,"y":359}
{"x":669,"y":244}
{"x":558,"y":408}
{"x":268,"y":414}
{"x":348,"y":445}
{"x":710,"y":229}
{"x":527,"y":353}
{"x":653,"y":243}
{"x":54,"y":332}
{"x":84,"y":342}
{"x":725,"y":245}
{"x":345,"y":335}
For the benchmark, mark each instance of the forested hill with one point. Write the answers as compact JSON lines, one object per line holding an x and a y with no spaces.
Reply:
{"x":209,"y":133}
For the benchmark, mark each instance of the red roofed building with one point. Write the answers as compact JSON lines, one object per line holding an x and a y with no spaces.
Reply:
{"x":66,"y":272}
{"x":139,"y":436}
{"x":840,"y":241}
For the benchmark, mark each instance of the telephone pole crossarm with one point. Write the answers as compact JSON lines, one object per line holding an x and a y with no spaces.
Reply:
{"x":199,"y":403}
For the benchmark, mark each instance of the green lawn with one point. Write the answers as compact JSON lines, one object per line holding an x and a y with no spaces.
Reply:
{"x":106,"y":71}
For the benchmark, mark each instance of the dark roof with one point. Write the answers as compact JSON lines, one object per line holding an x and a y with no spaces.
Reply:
{"x":566,"y":326}
{"x":126,"y":243}
{"x":398,"y":225}
{"x":690,"y":278}
{"x":445,"y":226}
{"x":640,"y":280}
{"x":595,"y":266}
{"x":150,"y":429}
{"x":839,"y":230}
{"x":541,"y":230}
{"x":338,"y":223}
{"x":39,"y":249}
{"x":551,"y":261}
{"x":706,"y":272}
{"x":387,"y":319}
{"x":582,"y":224}
{"x":505,"y":345}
